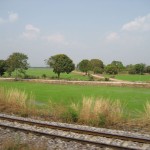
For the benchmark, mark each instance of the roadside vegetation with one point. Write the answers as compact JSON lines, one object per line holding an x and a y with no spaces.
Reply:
{"x":47,"y":73}
{"x":90,"y":105}
{"x":134,"y":98}
{"x":91,"y":111}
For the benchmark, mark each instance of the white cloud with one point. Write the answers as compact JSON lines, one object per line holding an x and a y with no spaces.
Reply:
{"x":13,"y":17}
{"x":140,"y":23}
{"x":31,"y":28}
{"x":31,"y":32}
{"x":2,"y":21}
{"x":113,"y":36}
{"x":56,"y":39}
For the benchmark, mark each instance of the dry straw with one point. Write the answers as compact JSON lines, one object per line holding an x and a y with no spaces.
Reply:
{"x":99,"y":110}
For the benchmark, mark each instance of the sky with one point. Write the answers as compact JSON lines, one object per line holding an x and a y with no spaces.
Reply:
{"x":82,"y":29}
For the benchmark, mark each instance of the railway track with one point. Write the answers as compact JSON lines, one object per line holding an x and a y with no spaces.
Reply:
{"x":102,"y":138}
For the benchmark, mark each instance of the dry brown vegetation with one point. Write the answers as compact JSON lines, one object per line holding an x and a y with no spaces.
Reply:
{"x":16,"y":144}
{"x":97,"y":112}
{"x":15,"y":101}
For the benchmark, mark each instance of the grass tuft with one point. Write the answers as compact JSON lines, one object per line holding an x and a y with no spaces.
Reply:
{"x":16,"y":101}
{"x":99,"y":111}
{"x":146,"y":114}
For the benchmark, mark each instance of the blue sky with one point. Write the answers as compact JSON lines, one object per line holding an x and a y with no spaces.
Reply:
{"x":82,"y":29}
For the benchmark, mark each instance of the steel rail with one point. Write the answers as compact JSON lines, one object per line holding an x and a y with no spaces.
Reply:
{"x":101,"y":144}
{"x":145,"y":140}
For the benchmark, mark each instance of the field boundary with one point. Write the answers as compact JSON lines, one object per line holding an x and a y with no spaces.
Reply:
{"x":98,"y":83}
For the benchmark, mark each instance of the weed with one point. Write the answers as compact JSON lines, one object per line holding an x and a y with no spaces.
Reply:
{"x":44,"y":76}
{"x":70,"y":115}
{"x":99,"y":111}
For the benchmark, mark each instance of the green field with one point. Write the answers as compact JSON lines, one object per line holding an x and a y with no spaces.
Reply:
{"x":38,"y":73}
{"x":134,"y":78}
{"x":132,"y":98}
{"x":142,"y":78}
{"x":72,"y":76}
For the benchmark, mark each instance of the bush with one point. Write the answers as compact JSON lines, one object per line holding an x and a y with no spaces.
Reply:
{"x":98,"y":70}
{"x":70,"y":115}
{"x":53,"y":77}
{"x":44,"y":76}
{"x":102,"y":120}
{"x":111,"y":69}
{"x":106,"y":79}
{"x":30,"y":77}
{"x":91,"y":78}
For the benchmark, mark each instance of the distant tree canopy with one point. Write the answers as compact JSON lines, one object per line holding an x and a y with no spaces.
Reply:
{"x":97,"y":65}
{"x":17,"y":62}
{"x":2,"y":67}
{"x":118,"y":64}
{"x":84,"y":65}
{"x":136,"y":69}
{"x":147,"y":69}
{"x":111,"y":69}
{"x":61,"y":63}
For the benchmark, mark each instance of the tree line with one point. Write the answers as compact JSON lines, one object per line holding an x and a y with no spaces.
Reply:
{"x":61,"y":63}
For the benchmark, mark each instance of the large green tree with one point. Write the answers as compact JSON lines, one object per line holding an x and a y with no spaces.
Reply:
{"x":118,"y":64}
{"x":17,"y":62}
{"x":2,"y":67}
{"x":61,"y":63}
{"x":84,"y":65}
{"x":137,"y":69}
{"x":147,"y":69}
{"x":111,"y":69}
{"x":97,"y":65}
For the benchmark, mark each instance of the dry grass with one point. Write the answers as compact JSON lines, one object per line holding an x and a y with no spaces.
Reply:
{"x":147,"y":110}
{"x":55,"y":110}
{"x":16,"y":98}
{"x":99,"y":111}
{"x":15,"y":101}
{"x":145,"y":116}
{"x":12,"y":144}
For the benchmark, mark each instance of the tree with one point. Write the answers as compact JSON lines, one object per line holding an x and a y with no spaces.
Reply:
{"x":97,"y":65}
{"x":139,"y":68}
{"x":118,"y":64}
{"x":136,"y":69}
{"x":98,"y":70}
{"x":61,"y":63}
{"x":148,"y":69}
{"x":2,"y":67}
{"x":84,"y":66}
{"x":111,"y":69}
{"x":17,"y":62}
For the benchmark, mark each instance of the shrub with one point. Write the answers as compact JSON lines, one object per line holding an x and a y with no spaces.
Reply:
{"x":91,"y":78}
{"x":54,"y":77}
{"x":111,"y":69}
{"x":99,"y":111}
{"x":44,"y":76}
{"x":98,"y":70}
{"x":19,"y":101}
{"x":106,"y":79}
{"x":70,"y":115}
{"x":146,"y":114}
{"x":30,"y":77}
